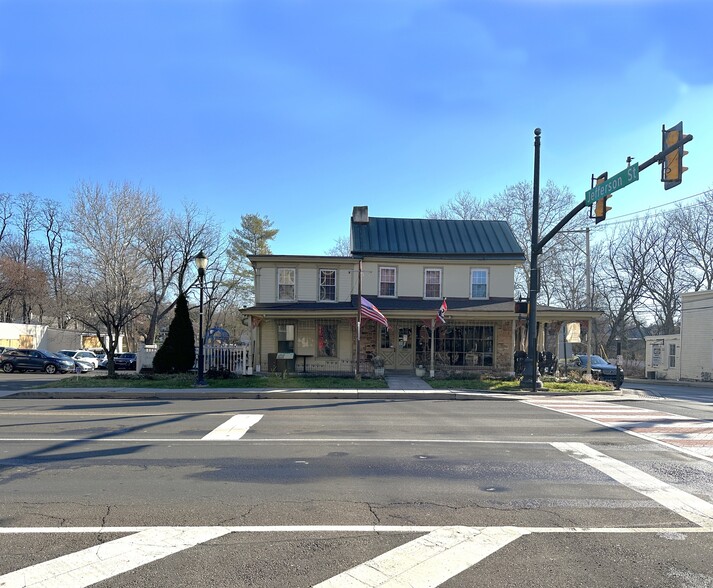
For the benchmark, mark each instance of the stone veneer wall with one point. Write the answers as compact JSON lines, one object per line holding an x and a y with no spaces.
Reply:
{"x":504,"y":359}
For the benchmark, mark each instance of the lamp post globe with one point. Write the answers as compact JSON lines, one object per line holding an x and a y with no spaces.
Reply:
{"x":201,"y":265}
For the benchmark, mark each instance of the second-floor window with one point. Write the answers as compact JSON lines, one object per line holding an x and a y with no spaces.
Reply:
{"x":432,"y":284}
{"x":286,"y":284}
{"x":387,"y":281}
{"x":479,"y":283}
{"x":327,"y":285}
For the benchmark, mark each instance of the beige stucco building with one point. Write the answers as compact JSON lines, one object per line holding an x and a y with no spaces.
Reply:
{"x":305,"y":317}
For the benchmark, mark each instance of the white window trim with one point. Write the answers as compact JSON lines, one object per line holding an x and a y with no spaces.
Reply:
{"x":396,"y":281}
{"x":440,"y":282}
{"x":319,"y":285}
{"x":487,"y":283}
{"x":294,"y":273}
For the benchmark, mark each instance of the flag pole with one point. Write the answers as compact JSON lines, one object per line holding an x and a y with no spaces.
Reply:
{"x":357,"y":372}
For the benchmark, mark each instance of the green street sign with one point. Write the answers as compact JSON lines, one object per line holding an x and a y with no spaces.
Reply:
{"x":617,"y":182}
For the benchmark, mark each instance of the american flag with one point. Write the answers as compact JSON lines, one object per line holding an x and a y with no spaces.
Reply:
{"x":370,"y":311}
{"x":442,"y":311}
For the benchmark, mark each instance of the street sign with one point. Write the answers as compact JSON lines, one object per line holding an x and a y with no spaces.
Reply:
{"x":620,"y":180}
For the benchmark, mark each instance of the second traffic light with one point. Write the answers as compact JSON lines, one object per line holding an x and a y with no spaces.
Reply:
{"x":672,"y":172}
{"x":600,"y":206}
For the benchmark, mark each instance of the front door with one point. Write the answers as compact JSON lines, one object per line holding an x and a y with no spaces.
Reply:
{"x":397,"y":345}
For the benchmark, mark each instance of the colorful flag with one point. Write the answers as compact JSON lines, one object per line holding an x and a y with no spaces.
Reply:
{"x":442,"y":311}
{"x":370,"y":311}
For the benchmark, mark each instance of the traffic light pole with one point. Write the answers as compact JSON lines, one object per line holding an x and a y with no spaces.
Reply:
{"x":531,"y":375}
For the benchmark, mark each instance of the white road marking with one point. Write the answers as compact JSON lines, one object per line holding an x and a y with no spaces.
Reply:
{"x":99,"y":563}
{"x":343,"y":529}
{"x":354,"y":440}
{"x":449,"y":548}
{"x":234,"y":428}
{"x":427,"y":561}
{"x":657,"y":427}
{"x":687,"y":505}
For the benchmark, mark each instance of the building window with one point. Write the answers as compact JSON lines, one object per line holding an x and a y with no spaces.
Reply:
{"x":387,"y":281}
{"x":672,"y":355}
{"x":384,"y":339}
{"x":286,"y":284}
{"x":465,"y":345}
{"x":328,"y":285}
{"x":478,"y":283}
{"x":327,"y":339}
{"x":432,"y":283}
{"x":285,"y":338}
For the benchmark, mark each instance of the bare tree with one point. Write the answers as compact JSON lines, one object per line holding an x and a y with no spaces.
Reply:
{"x":695,"y":225}
{"x":514,"y":205}
{"x":463,"y":206}
{"x":109,"y":225}
{"x":621,"y":272}
{"x":26,"y":207}
{"x":171,"y":247}
{"x":664,"y":284}
{"x":342,"y":248}
{"x":54,"y":224}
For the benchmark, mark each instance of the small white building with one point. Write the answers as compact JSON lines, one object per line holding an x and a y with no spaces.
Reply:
{"x":662,"y":357}
{"x":688,"y":356}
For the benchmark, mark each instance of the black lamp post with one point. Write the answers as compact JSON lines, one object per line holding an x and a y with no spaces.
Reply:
{"x":201,"y":263}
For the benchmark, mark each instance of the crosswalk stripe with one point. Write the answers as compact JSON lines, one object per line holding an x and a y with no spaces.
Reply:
{"x":427,"y":561}
{"x":101,"y":562}
{"x":685,"y":434}
{"x":234,"y":428}
{"x":687,"y":505}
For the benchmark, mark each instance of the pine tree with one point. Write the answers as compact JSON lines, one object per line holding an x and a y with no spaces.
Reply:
{"x":177,"y":354}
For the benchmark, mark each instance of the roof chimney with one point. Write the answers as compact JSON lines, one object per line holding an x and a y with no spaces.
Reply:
{"x":360,"y":214}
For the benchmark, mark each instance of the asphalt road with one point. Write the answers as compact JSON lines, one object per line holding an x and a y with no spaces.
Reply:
{"x":309,"y":492}
{"x":23,"y":381}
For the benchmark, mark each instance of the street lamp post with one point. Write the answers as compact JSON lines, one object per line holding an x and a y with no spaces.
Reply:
{"x":201,"y":263}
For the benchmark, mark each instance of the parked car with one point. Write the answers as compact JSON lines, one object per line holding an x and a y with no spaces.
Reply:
{"x":601,"y":369}
{"x":35,"y":360}
{"x":82,"y":366}
{"x":125,"y":361}
{"x":86,"y":356}
{"x":122,"y":361}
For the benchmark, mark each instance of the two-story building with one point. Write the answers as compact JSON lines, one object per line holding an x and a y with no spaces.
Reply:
{"x":305,"y":317}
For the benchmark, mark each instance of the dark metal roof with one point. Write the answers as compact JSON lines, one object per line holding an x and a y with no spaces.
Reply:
{"x":387,"y":304}
{"x":435,"y":237}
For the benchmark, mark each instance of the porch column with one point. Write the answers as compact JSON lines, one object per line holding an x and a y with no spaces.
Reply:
{"x":433,"y":348}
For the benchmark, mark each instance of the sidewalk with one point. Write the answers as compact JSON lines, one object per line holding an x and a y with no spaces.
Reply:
{"x":406,"y":391}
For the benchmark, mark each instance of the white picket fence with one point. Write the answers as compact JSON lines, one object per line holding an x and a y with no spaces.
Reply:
{"x":234,"y":358}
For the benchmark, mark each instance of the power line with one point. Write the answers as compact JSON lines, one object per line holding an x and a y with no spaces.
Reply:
{"x":618,"y":219}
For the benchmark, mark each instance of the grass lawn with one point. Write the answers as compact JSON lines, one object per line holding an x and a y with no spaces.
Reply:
{"x":187,"y":381}
{"x":514,"y":385}
{"x":276,"y":381}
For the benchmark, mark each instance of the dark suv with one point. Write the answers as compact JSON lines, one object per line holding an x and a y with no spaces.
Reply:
{"x":601,"y":369}
{"x":35,"y":360}
{"x":125,"y":361}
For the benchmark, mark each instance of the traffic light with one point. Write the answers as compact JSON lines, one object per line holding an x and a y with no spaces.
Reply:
{"x":521,"y":307}
{"x":672,"y":172}
{"x":600,"y":206}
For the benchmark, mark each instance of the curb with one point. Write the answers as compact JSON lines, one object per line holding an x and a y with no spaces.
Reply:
{"x":296,"y":394}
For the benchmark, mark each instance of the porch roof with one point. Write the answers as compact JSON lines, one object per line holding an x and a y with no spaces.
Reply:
{"x":416,"y":308}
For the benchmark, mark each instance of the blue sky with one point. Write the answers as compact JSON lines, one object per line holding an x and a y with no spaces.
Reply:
{"x":300,"y":110}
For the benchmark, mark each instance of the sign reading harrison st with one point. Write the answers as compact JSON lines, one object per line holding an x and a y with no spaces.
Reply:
{"x":620,"y":180}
